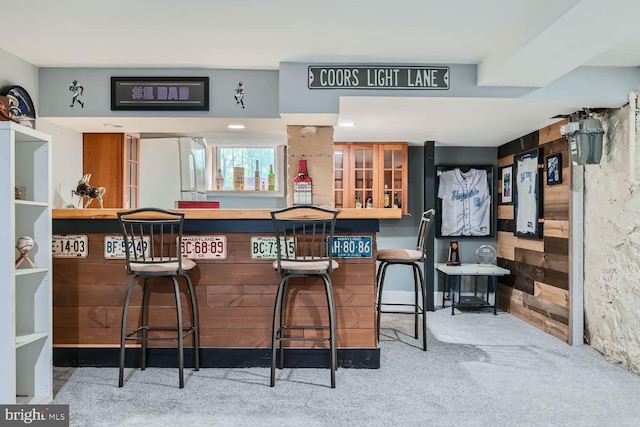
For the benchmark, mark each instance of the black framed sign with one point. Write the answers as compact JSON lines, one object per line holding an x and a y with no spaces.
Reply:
{"x":527,"y":204}
{"x":160,"y":93}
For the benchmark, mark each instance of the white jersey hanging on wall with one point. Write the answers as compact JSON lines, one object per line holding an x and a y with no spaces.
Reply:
{"x":466,"y":203}
{"x":526,"y":213}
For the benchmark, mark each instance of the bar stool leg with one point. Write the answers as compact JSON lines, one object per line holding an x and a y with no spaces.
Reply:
{"x":283,"y":326}
{"x":145,"y":323}
{"x":123,"y":330}
{"x":176,"y":290}
{"x":277,"y":307}
{"x":423,"y":288}
{"x":415,"y":300}
{"x":332,"y":329}
{"x":379,"y":304}
{"x":194,"y":324}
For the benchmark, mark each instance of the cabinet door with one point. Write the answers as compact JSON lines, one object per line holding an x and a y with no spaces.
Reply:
{"x":392,"y":161}
{"x":361,"y":171}
{"x":112,"y":159}
{"x":131,"y":171}
{"x":362,"y":175}
{"x":340,"y":171}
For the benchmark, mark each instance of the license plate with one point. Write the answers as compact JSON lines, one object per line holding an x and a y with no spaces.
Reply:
{"x":63,"y":246}
{"x":266,"y":248}
{"x":114,"y":246}
{"x":204,"y":247}
{"x":352,"y":247}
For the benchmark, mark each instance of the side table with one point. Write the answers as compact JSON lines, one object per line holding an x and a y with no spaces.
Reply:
{"x":488,"y":270}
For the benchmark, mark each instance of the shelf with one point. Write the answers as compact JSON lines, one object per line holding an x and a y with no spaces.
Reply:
{"x":26,"y":271}
{"x":32,"y":400}
{"x":31,"y":203}
{"x":24,"y":339}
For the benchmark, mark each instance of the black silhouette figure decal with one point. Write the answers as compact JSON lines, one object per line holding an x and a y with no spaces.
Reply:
{"x":77,"y":90}
{"x":239,"y":96}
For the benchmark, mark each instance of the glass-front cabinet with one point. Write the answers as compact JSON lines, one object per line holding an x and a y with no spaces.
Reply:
{"x":370,"y":175}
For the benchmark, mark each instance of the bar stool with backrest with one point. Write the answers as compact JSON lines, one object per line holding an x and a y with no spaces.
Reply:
{"x":412,"y":258}
{"x":302,"y":236}
{"x":152,"y":240}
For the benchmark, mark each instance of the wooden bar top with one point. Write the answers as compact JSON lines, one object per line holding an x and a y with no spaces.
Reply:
{"x":391,"y":213}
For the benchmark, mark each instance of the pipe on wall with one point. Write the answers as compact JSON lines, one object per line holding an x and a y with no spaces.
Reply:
{"x":633,"y":109}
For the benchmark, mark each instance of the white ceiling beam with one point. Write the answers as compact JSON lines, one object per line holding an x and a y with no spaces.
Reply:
{"x":586,"y":30}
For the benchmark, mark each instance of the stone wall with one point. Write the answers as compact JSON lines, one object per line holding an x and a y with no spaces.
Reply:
{"x":612,"y":248}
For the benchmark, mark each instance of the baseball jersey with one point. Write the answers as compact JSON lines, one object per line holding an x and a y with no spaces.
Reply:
{"x":526,"y":215}
{"x":466,"y":202}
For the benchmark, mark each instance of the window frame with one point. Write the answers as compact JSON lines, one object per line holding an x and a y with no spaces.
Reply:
{"x":279,"y":167}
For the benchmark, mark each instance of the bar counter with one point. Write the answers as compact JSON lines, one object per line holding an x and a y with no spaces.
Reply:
{"x":235,"y":295}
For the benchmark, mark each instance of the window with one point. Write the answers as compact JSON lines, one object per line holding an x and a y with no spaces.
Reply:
{"x":237,"y":165}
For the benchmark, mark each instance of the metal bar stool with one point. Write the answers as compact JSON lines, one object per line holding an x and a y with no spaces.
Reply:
{"x":412,"y":258}
{"x":303,"y":236}
{"x":152,"y":240}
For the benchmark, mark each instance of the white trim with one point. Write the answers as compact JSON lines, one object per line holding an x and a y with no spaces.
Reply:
{"x":576,"y":256}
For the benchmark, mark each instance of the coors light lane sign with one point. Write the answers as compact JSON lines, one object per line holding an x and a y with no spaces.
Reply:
{"x":378,"y":77}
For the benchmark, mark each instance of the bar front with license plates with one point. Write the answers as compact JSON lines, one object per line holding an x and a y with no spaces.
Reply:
{"x":235,"y":285}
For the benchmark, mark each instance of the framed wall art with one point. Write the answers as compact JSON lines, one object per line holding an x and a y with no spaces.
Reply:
{"x":465,"y":202}
{"x":506,"y":184}
{"x":527,"y":203}
{"x":554,"y":169}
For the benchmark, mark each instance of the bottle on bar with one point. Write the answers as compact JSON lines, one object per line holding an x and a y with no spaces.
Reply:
{"x":219,"y":180}
{"x":271,"y":179}
{"x":358,"y":202}
{"x":256,"y":178}
{"x":396,"y":201}
{"x":302,"y":190}
{"x":387,"y":196}
{"x":369,"y":202}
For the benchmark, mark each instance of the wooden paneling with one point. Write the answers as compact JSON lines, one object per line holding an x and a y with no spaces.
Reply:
{"x":103,"y":157}
{"x":551,"y":132}
{"x":235,"y":299}
{"x":537,"y":289}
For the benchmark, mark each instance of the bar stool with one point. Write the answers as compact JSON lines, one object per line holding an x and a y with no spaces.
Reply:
{"x":152,"y":240}
{"x":412,"y":258}
{"x":303,"y":236}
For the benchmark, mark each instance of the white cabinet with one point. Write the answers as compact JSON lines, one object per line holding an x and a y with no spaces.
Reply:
{"x":25,"y":292}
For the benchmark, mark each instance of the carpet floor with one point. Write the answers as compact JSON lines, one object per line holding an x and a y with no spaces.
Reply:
{"x":479,"y":370}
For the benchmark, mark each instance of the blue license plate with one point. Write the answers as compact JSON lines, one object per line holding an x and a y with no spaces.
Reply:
{"x":352,"y":247}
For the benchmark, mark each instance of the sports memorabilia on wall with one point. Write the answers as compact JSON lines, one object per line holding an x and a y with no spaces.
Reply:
{"x":527,"y":203}
{"x":465,"y":201}
{"x":20,"y":106}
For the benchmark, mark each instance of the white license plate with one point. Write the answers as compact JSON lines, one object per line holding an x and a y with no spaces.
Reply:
{"x":266,"y":247}
{"x":204,"y":247}
{"x":63,"y":246}
{"x":114,"y":246}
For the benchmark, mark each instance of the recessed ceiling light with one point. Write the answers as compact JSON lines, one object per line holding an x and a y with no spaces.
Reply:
{"x":236,"y":126}
{"x":347,"y":124}
{"x":111,"y":125}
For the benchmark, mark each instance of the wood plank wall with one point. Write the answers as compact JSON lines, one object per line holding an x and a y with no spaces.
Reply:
{"x":537,"y":290}
{"x":235,"y":300}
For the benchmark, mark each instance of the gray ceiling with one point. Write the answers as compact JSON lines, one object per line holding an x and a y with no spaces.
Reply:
{"x":526,"y":43}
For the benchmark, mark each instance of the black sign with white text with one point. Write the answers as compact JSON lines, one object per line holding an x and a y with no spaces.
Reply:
{"x":160,"y":93}
{"x":378,"y":77}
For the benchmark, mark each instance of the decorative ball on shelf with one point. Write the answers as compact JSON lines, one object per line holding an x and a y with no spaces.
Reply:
{"x":25,"y":245}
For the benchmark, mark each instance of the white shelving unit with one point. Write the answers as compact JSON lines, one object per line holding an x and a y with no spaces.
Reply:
{"x":26,"y":337}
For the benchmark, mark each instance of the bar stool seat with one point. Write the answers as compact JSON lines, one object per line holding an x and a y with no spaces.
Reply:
{"x":152,"y":238}
{"x":412,"y":258}
{"x":302,"y":235}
